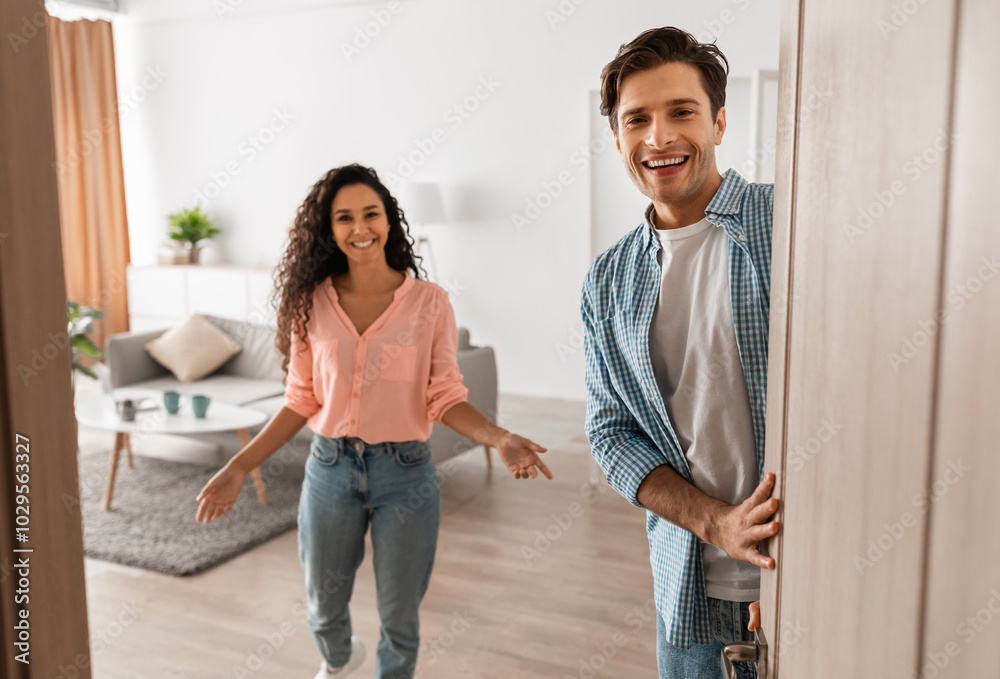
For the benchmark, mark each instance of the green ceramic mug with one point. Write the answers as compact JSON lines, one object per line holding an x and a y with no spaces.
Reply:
{"x":172,"y":401}
{"x":199,"y":404}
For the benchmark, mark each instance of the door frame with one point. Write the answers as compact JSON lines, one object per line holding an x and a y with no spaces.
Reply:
{"x":782,"y":244}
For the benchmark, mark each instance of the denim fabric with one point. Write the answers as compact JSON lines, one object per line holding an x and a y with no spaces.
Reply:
{"x":728,"y":621}
{"x":348,"y":486}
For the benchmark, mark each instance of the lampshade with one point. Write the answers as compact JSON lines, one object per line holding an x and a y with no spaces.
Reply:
{"x":422,"y":203}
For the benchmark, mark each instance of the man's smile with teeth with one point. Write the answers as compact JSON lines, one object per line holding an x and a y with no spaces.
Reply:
{"x":666,"y":162}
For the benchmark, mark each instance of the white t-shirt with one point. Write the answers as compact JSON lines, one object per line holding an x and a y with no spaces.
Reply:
{"x":692,"y":344}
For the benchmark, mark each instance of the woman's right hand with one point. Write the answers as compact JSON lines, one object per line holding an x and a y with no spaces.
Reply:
{"x":520,"y":456}
{"x":219,"y":494}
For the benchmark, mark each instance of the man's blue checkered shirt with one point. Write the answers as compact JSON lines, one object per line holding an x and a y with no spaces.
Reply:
{"x":627,"y":423}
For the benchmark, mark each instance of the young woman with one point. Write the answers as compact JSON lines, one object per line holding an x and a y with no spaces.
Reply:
{"x":370,"y":354}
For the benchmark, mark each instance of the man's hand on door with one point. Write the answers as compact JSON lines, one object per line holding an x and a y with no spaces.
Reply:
{"x":739,"y":529}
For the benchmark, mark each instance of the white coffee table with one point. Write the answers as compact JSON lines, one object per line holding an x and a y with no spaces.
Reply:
{"x":99,"y":412}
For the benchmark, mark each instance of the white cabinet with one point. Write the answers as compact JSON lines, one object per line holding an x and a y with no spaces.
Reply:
{"x":162,"y":296}
{"x":217,"y":292}
{"x":259,"y":299}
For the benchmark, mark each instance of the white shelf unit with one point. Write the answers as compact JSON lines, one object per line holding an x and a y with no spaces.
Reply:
{"x":162,"y":296}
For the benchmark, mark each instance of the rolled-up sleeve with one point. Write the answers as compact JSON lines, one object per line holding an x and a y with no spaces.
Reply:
{"x":299,"y":394}
{"x":445,"y":388}
{"x":622,"y":449}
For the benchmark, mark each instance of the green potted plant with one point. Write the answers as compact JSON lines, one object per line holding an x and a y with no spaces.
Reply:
{"x":80,"y":325}
{"x":191,"y":225}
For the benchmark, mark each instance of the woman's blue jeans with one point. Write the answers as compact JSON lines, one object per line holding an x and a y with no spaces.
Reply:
{"x":729,"y":620}
{"x":349,"y":485}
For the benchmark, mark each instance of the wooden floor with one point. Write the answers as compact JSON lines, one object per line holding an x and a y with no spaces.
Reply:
{"x":532,"y":580}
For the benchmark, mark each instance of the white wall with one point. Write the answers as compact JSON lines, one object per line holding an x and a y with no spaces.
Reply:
{"x":195,"y":87}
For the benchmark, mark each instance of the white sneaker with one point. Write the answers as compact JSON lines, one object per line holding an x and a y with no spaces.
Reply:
{"x":353,"y":663}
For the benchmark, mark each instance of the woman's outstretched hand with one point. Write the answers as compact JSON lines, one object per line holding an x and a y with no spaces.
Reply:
{"x":520,"y":456}
{"x":219,"y":495}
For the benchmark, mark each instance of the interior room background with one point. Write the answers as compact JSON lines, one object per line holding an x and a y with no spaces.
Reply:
{"x":241,"y":105}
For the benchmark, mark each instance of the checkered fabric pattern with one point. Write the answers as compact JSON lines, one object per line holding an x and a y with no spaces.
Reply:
{"x":627,"y":424}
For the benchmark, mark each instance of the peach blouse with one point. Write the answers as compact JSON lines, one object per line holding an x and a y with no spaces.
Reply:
{"x":390,"y":383}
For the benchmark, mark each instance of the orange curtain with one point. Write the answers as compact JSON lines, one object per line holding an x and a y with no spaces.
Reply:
{"x":89,"y":169}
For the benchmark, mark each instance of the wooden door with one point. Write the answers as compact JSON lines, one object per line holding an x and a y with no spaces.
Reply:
{"x":43,"y":608}
{"x":885,"y":310}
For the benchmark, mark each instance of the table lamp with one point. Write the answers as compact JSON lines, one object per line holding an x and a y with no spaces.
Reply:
{"x":422,"y":204}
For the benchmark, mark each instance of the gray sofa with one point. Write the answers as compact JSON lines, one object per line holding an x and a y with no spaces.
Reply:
{"x":253,"y":378}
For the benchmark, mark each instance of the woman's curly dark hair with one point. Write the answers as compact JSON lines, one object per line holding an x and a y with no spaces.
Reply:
{"x":312,"y":255}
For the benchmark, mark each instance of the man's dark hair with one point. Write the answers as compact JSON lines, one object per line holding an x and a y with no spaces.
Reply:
{"x":656,"y":47}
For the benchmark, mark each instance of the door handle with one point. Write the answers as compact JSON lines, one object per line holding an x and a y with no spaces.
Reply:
{"x":746,"y":651}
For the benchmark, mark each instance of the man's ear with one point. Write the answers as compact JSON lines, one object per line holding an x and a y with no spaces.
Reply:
{"x":618,"y":143}
{"x":720,"y":125}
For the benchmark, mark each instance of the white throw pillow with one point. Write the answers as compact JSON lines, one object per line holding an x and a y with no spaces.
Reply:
{"x":192,"y":349}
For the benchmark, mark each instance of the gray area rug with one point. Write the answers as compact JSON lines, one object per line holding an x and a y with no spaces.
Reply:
{"x":151,"y":523}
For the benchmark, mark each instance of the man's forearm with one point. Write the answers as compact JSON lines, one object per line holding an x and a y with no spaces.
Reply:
{"x":665,"y":493}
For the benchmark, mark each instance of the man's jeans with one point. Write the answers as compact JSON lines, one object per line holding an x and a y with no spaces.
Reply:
{"x":729,"y":620}
{"x":349,"y":484}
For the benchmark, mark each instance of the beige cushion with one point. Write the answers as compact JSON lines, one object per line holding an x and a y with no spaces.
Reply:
{"x":192,"y":349}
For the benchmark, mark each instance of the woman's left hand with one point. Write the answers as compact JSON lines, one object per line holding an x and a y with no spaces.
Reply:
{"x":520,"y":456}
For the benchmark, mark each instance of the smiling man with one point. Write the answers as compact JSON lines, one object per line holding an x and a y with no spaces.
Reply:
{"x":676,"y":319}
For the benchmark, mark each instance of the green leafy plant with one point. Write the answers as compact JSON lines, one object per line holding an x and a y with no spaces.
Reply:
{"x":192,"y":225}
{"x":80,"y":325}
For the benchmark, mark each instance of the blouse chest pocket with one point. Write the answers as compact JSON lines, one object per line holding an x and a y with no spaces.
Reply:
{"x":398,"y":363}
